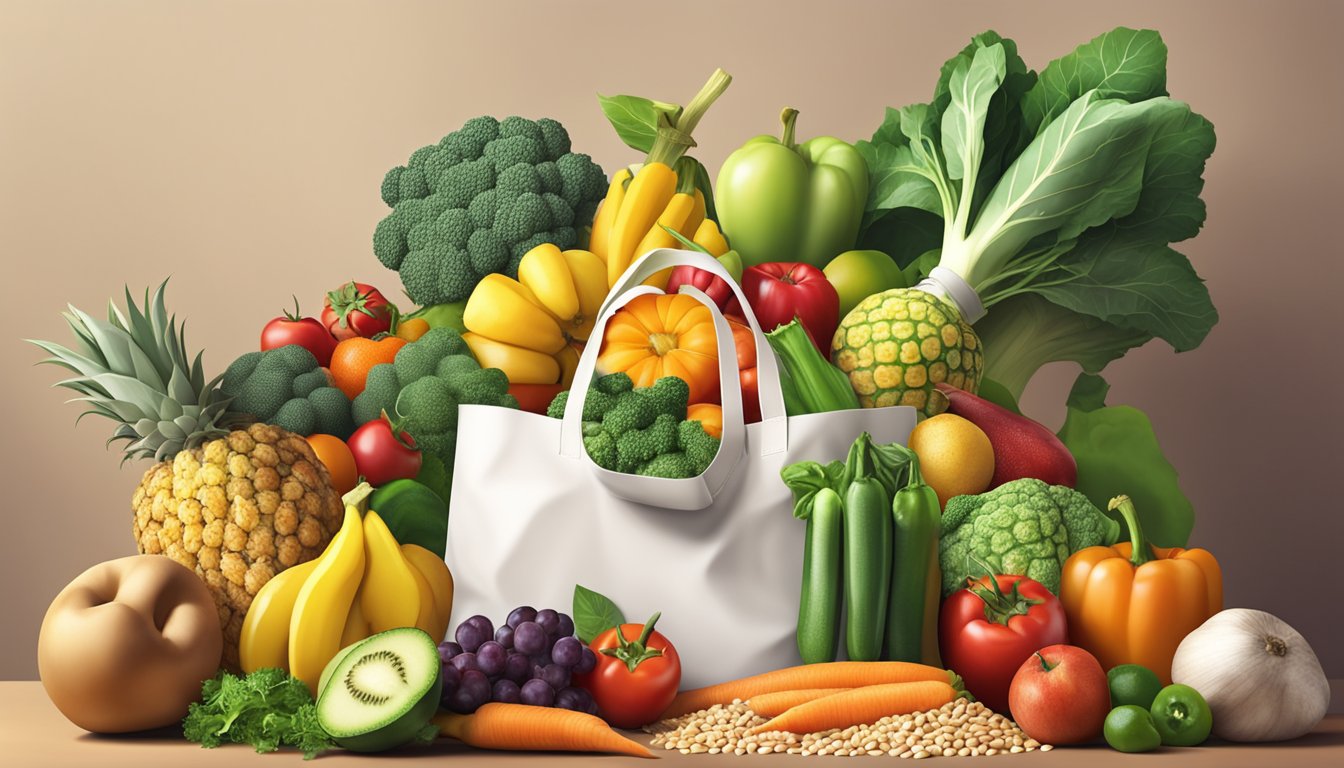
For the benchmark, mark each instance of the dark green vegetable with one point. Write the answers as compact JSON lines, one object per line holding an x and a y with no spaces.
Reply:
{"x":823,"y":558}
{"x":810,"y":383}
{"x":267,"y":709}
{"x":1182,"y":716}
{"x":867,"y":527}
{"x":1129,"y":728}
{"x":916,"y":578}
{"x":414,"y":513}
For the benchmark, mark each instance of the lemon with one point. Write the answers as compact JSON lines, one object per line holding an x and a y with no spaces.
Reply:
{"x":955,"y":456}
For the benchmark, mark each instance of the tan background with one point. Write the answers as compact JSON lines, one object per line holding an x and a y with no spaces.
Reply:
{"x":240,"y":148}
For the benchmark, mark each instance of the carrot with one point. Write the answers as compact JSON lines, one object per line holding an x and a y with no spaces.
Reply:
{"x":772,"y":704}
{"x":860,"y":706}
{"x":544,"y":729}
{"x":830,"y":674}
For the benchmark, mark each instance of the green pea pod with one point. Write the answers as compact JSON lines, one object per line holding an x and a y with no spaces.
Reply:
{"x":819,"y":603}
{"x":414,"y":513}
{"x":912,"y":612}
{"x":783,"y":202}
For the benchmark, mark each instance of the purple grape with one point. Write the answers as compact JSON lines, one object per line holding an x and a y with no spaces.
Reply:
{"x":504,"y":636}
{"x":529,"y":638}
{"x":466,"y":662}
{"x":542,"y":659}
{"x":587,"y":661}
{"x":518,"y":667}
{"x":566,"y":625}
{"x":451,"y":678}
{"x":537,"y":693}
{"x":585,"y":699}
{"x":569,"y":698}
{"x":490,"y":658}
{"x":567,"y":651}
{"x":549,"y":621}
{"x":505,"y":691}
{"x":483,"y":624}
{"x":555,"y":676}
{"x":447,"y":650}
{"x":519,"y":615}
{"x":471,"y":693}
{"x":470,"y":636}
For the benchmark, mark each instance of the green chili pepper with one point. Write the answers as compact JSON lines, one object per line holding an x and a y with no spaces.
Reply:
{"x":912,"y":613}
{"x":867,"y":526}
{"x":781,"y":201}
{"x":414,"y":513}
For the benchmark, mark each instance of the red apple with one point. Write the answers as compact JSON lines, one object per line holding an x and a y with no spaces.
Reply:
{"x":1060,"y":695}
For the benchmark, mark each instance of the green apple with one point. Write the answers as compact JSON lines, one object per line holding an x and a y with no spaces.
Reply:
{"x":857,"y":275}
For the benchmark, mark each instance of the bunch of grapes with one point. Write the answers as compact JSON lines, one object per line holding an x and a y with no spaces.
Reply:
{"x":531,"y":659}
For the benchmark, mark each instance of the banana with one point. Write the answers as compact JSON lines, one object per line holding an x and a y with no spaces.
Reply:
{"x":505,"y":310}
{"x":589,"y":274}
{"x":388,"y":595}
{"x":546,"y":273}
{"x":606,"y":214}
{"x":264,"y":641}
{"x":684,"y":214}
{"x":521,"y":365}
{"x":428,"y":618}
{"x":323,"y":604}
{"x":356,"y":626}
{"x":436,"y":572}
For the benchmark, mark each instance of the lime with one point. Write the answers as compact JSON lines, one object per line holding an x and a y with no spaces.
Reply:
{"x":1133,"y":684}
{"x":1130,"y":729}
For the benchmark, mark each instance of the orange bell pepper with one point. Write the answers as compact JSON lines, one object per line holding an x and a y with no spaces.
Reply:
{"x":1133,"y":603}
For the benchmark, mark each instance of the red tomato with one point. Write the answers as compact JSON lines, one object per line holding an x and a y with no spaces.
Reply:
{"x":307,"y":332}
{"x":357,"y":309}
{"x":382,"y":456}
{"x":779,"y":291}
{"x":746,"y":369}
{"x":635,"y":680}
{"x":987,"y":630}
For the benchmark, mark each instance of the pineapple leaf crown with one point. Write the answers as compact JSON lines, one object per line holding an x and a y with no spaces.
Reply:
{"x":134,"y":368}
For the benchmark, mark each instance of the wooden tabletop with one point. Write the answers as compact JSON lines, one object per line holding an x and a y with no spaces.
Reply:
{"x":33,"y":733}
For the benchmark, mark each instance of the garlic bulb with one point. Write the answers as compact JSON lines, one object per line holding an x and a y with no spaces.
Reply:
{"x":1259,"y":675}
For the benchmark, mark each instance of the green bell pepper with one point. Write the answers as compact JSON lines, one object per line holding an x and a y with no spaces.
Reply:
{"x":442,"y":315}
{"x":781,"y":201}
{"x":414,"y":513}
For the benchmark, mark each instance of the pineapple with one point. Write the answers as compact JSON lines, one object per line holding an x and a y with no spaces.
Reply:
{"x":895,"y":346}
{"x":236,"y":506}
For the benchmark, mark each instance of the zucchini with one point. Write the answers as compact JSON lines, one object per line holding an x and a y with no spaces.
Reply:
{"x":819,"y":603}
{"x":867,"y":528}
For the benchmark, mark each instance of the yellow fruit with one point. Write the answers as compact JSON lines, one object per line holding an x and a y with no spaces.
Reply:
{"x":356,"y":626}
{"x":264,"y":641}
{"x":955,"y":456}
{"x":388,"y":595}
{"x":435,"y":571}
{"x":323,"y":605}
{"x":428,"y":617}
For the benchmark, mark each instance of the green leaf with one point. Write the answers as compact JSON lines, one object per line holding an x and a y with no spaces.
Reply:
{"x":594,"y":614}
{"x":635,"y":118}
{"x":895,"y":180}
{"x":997,"y":394}
{"x":435,"y":476}
{"x":971,"y":86}
{"x":706,"y":187}
{"x":1124,"y":64}
{"x":904,"y":234}
{"x":1169,"y":207}
{"x":1117,"y":452}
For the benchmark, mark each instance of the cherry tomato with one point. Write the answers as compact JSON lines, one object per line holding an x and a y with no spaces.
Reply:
{"x":357,"y":309}
{"x":634,"y":680}
{"x":988,"y":629}
{"x":382,"y":454}
{"x":307,"y":332}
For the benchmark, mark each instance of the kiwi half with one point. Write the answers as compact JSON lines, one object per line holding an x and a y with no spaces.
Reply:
{"x":381,"y":692}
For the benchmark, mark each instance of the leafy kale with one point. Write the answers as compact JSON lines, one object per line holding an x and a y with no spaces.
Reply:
{"x":267,"y":709}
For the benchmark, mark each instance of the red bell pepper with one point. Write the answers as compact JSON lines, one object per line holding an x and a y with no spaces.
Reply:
{"x":988,"y":629}
{"x":714,"y":286}
{"x":780,"y":291}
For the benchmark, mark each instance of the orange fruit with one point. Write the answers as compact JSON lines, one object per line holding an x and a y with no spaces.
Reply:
{"x":955,"y":456}
{"x":352,"y":359}
{"x":412,"y":329}
{"x":335,"y":455}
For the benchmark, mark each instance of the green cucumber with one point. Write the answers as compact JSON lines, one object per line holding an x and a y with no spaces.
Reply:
{"x":912,"y":612}
{"x":867,"y":567}
{"x":381,"y":692}
{"x":819,"y":604}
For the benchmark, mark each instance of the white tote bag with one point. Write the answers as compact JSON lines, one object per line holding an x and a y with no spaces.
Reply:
{"x":719,"y":555}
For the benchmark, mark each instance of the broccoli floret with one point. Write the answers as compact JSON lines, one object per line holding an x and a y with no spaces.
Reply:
{"x":641,"y":431}
{"x":287,"y":388}
{"x":1024,"y":527}
{"x":424,"y":384}
{"x":516,"y":180}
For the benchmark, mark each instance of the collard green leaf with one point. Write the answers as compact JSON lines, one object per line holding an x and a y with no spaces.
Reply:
{"x":1169,"y":207}
{"x":635,"y":119}
{"x":904,"y":234}
{"x":594,"y":614}
{"x":971,"y":86}
{"x":1123,"y":64}
{"x":894,"y":181}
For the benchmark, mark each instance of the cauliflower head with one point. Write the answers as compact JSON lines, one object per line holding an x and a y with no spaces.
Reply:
{"x":1024,"y":527}
{"x":478,"y":200}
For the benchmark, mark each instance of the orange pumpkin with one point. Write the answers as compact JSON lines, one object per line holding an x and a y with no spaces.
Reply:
{"x":663,"y":335}
{"x":710,"y":417}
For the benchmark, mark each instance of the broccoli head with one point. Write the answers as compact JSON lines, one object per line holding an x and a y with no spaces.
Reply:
{"x":1024,"y":527}
{"x":286,"y":387}
{"x":424,"y":384}
{"x":478,"y":200}
{"x":641,"y":431}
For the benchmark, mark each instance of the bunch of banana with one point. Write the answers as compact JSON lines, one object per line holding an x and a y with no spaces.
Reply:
{"x":529,"y":327}
{"x":364,"y":583}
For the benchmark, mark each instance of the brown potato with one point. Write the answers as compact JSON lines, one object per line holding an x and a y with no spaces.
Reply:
{"x":126,"y":645}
